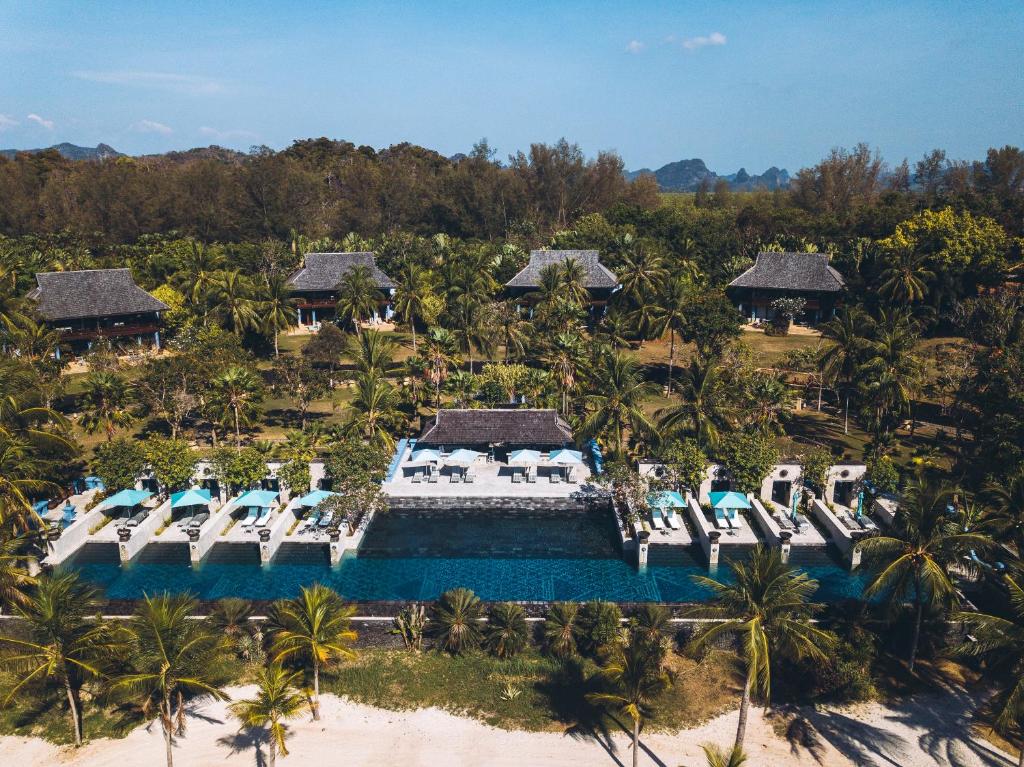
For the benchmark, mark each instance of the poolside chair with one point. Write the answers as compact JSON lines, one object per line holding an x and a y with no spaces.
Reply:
{"x":138,"y":518}
{"x":570,"y":475}
{"x":656,"y":521}
{"x":308,"y":522}
{"x":325,"y":520}
{"x":531,"y":474}
{"x":470,"y":476}
{"x":672,"y":519}
{"x":736,"y":521}
{"x":867,"y":523}
{"x":516,"y":477}
{"x":184,"y":522}
{"x":433,"y":474}
{"x":250,"y":518}
{"x":721,"y":523}
{"x":455,"y":477}
{"x":199,"y":519}
{"x":264,"y":517}
{"x":555,"y":477}
{"x":784,"y":522}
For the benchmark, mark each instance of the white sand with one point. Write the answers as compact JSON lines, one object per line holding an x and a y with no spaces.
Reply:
{"x":922,"y":733}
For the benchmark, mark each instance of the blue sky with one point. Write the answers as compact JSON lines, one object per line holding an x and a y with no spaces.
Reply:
{"x":737,"y":84}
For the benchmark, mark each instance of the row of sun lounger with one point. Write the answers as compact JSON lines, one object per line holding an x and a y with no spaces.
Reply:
{"x":729,"y":523}
{"x":660,"y":520}
{"x":196,"y":520}
{"x":256,"y":518}
{"x":316,"y":522}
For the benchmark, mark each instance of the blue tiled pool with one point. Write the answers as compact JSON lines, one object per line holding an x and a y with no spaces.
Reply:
{"x":410,"y":557}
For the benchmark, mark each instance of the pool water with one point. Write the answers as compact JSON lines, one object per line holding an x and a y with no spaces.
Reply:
{"x":405,"y":556}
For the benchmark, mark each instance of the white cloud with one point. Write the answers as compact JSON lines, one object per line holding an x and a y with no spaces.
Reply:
{"x":48,"y":124}
{"x":152,"y":126}
{"x":635,"y":46}
{"x":192,"y":85}
{"x":226,"y":135}
{"x":693,"y":43}
{"x":7,"y":122}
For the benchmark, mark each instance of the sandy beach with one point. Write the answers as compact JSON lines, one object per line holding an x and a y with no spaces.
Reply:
{"x":924,"y":732}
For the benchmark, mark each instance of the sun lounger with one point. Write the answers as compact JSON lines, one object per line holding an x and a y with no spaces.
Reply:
{"x":417,"y":476}
{"x":308,"y":523}
{"x":325,"y":520}
{"x":516,"y":477}
{"x":721,"y":523}
{"x":199,"y":519}
{"x":656,"y":521}
{"x":531,"y":475}
{"x":250,"y":518}
{"x":469,"y":477}
{"x":736,"y":522}
{"x":264,"y":517}
{"x":556,"y":477}
{"x":137,"y":518}
{"x":455,"y":477}
{"x":433,"y":474}
{"x":184,"y":522}
{"x":867,"y":524}
{"x":673,"y":521}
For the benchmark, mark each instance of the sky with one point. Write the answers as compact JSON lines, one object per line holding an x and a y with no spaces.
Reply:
{"x":750,"y":84}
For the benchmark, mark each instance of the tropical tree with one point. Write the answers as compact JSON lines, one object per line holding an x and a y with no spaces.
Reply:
{"x":718,"y":757}
{"x":415,"y":298}
{"x":276,"y":307}
{"x":905,"y":278}
{"x":372,"y":352}
{"x":506,"y":633}
{"x":674,"y":298}
{"x":22,"y":473}
{"x":358,"y":296}
{"x":999,"y":641}
{"x":237,"y":396}
{"x":1006,"y":510}
{"x":563,"y":358}
{"x":893,"y":374}
{"x":913,"y":561}
{"x":63,"y":644}
{"x":315,"y":628}
{"x":200,"y":268}
{"x":277,"y":699}
{"x":233,"y":301}
{"x":633,"y":670}
{"x":15,"y":580}
{"x":846,"y":336}
{"x":106,"y":403}
{"x":642,"y":273}
{"x":561,"y":632}
{"x":767,"y":607}
{"x":457,"y":621}
{"x":170,"y":659}
{"x":33,"y":341}
{"x":704,"y":406}
{"x":616,"y":401}
{"x":374,"y":410}
{"x":440,"y":358}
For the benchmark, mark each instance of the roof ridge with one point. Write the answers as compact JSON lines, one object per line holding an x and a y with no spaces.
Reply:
{"x":87,"y":271}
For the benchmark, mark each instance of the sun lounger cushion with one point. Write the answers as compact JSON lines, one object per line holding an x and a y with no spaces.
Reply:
{"x":673,"y":521}
{"x":656,"y":521}
{"x":264,"y":518}
{"x":736,"y":522}
{"x":721,"y":524}
{"x":198,"y":519}
{"x":250,"y":518}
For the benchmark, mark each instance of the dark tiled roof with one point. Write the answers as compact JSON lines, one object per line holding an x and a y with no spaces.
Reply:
{"x":323,"y":271}
{"x":791,"y":271}
{"x":91,"y":293}
{"x":512,"y":427}
{"x":596,"y":274}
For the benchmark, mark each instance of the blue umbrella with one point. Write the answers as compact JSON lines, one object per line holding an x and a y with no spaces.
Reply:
{"x":796,"y":501}
{"x":259,"y":498}
{"x":566,"y":457}
{"x":192,"y":497}
{"x":126,"y":498}
{"x":729,"y":500}
{"x":524,"y":456}
{"x":426,"y":455}
{"x":462,"y":457}
{"x":860,"y":504}
{"x":314,"y":498}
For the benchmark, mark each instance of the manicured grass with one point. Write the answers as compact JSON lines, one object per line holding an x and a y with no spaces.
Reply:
{"x":551,"y":694}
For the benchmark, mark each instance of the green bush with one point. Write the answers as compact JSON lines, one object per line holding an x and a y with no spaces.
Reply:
{"x":506,"y":633}
{"x":599,"y":624}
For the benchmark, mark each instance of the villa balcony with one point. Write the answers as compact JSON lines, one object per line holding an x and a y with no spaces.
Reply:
{"x":114,"y":331}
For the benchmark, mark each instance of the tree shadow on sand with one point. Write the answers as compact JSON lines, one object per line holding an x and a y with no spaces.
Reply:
{"x":245,"y":739}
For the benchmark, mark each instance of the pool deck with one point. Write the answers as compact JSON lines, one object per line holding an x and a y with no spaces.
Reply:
{"x":809,"y":535}
{"x":492,"y":479}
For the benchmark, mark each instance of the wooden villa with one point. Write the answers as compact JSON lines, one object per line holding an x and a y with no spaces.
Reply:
{"x":97,"y":303}
{"x":788,"y":275}
{"x":315,"y":285}
{"x":599,"y":280}
{"x":485,"y":429}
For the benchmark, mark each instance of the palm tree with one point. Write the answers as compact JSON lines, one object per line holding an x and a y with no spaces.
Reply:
{"x":15,"y":579}
{"x":767,"y":607}
{"x":62,"y":643}
{"x":21,"y":469}
{"x":199,"y":272}
{"x":472,"y":326}
{"x":515,"y":331}
{"x":563,"y":358}
{"x":642,"y":273}
{"x":233,"y":301}
{"x":704,"y":405}
{"x":413,"y":295}
{"x":561,"y":632}
{"x":846,"y":336}
{"x":674,"y":300}
{"x":237,"y":395}
{"x":913,"y":560}
{"x":506,"y":633}
{"x":277,"y":699}
{"x":372,"y":352}
{"x":633,"y":670}
{"x":315,"y":627}
{"x":1006,"y":515}
{"x":999,"y":640}
{"x":34,"y":341}
{"x":457,"y":620}
{"x":440,"y":357}
{"x":652,"y":623}
{"x":358,"y":296}
{"x":717,"y":757}
{"x":905,"y":277}
{"x":374,"y":410}
{"x":171,"y":659}
{"x":106,"y":403}
{"x":617,"y":402}
{"x":894,"y":373}
{"x":277,"y":307}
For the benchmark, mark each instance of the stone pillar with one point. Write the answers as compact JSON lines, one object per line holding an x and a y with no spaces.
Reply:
{"x":713,"y":548}
{"x":337,"y":547}
{"x":156,"y":339}
{"x":642,"y":546}
{"x":785,"y":545}
{"x":124,"y":535}
{"x":312,"y":320}
{"x":855,"y":556}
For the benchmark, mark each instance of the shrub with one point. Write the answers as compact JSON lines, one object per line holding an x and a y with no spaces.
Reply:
{"x":409,"y":624}
{"x":457,"y":621}
{"x":599,"y":624}
{"x":562,"y":630}
{"x":506,"y":633}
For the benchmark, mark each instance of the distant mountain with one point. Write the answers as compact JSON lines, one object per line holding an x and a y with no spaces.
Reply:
{"x":687,"y":175}
{"x":70,"y":151}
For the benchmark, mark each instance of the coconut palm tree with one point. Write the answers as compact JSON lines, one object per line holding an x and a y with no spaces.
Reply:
{"x":374,"y":410}
{"x":506,"y":632}
{"x":62,"y":643}
{"x":563,"y":359}
{"x":473,"y":326}
{"x":33,"y":341}
{"x":170,"y":660}
{"x":561,"y":631}
{"x":846,"y":337}
{"x":999,"y":640}
{"x":314,"y":627}
{"x":1006,"y":510}
{"x":21,"y":472}
{"x":200,"y":268}
{"x":106,"y":403}
{"x":440,"y":358}
{"x":372,"y":352}
{"x":912,"y":562}
{"x":893,"y":374}
{"x":233,"y":301}
{"x":704,"y":405}
{"x":277,"y":307}
{"x":515,"y":329}
{"x":652,"y":623}
{"x":642,"y":273}
{"x":905,"y":277}
{"x":616,"y":402}
{"x":457,"y":621}
{"x":358,"y":296}
{"x":674,"y":298}
{"x":633,"y":670}
{"x":415,"y":298}
{"x":15,"y":579}
{"x":237,"y":395}
{"x":767,"y":607}
{"x":718,"y":757}
{"x":277,"y":699}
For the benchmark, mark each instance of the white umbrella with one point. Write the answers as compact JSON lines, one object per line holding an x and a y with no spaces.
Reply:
{"x":524,"y":457}
{"x":425,"y":456}
{"x":462,"y":457}
{"x":566,"y":457}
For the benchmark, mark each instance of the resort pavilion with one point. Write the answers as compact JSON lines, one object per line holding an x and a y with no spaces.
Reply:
{"x":788,"y":275}
{"x":599,"y":280}
{"x":315,"y":284}
{"x":96,"y":303}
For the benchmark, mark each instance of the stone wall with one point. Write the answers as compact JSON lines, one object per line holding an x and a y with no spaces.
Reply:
{"x":497,"y":503}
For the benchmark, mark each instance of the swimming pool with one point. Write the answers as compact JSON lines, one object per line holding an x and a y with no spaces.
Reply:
{"x":408,"y":556}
